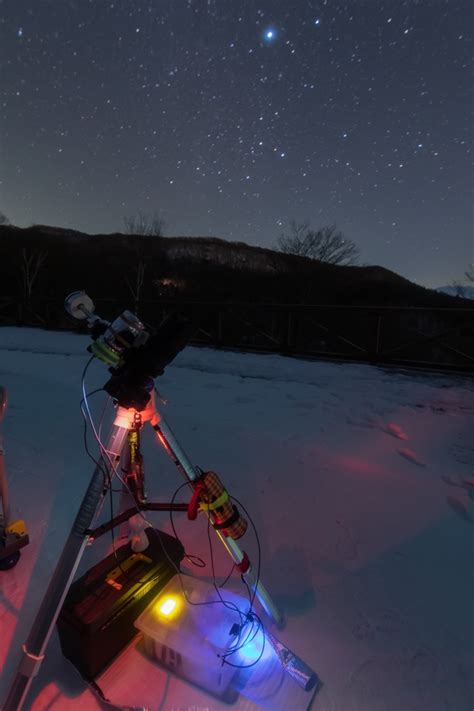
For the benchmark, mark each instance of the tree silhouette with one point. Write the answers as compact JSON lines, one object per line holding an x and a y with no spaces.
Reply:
{"x":140,"y":225}
{"x":143,"y":224}
{"x":326,"y":244}
{"x":32,"y":261}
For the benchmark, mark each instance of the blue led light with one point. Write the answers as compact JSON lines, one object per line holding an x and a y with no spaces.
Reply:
{"x":252,"y":651}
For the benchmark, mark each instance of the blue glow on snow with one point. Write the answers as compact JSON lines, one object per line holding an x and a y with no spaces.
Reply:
{"x":252,"y":651}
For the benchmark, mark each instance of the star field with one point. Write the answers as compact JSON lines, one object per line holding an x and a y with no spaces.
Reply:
{"x":231,"y":119}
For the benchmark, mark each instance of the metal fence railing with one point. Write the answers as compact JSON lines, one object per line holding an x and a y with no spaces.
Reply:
{"x":432,"y":338}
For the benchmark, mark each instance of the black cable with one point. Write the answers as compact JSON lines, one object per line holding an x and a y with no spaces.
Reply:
{"x":191,"y":558}
{"x":259,"y":548}
{"x":228,"y":577}
{"x":248,"y":617}
{"x":99,"y":463}
{"x":84,"y":372}
{"x":253,"y":593}
{"x":230,"y":605}
{"x":105,"y":472}
{"x":226,"y":603}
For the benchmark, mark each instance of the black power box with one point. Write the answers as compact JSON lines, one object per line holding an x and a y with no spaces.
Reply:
{"x":96,"y":620}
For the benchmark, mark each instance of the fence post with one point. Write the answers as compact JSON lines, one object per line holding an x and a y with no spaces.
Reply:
{"x":220,"y":335}
{"x":378,"y":328}
{"x":289,"y":331}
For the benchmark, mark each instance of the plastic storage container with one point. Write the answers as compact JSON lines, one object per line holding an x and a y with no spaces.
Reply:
{"x":188,"y":638}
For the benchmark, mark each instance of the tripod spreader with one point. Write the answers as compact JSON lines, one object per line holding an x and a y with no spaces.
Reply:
{"x":225,"y":517}
{"x":95,"y":533}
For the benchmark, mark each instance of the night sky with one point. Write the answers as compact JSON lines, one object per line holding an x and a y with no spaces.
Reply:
{"x":230,"y":118}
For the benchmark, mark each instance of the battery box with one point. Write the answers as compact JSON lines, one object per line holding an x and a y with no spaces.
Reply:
{"x":97,"y":619}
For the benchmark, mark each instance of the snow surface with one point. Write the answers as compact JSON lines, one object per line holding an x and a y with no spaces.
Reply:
{"x":359,"y":480}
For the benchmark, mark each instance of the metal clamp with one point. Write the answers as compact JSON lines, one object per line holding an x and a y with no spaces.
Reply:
{"x":30,"y":664}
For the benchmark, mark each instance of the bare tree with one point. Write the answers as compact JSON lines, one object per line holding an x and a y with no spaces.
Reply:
{"x":4,"y":219}
{"x":31,"y":262}
{"x":458,"y":289}
{"x":143,"y":224}
{"x":469,"y":273}
{"x":326,"y":244}
{"x":140,"y":225}
{"x":136,"y":279}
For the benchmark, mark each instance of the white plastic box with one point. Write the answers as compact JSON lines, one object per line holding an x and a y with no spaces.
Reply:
{"x":187,"y":638}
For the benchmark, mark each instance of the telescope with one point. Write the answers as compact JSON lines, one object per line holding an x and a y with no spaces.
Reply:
{"x":136,"y":354}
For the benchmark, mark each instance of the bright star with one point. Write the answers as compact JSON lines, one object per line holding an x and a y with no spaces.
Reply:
{"x":270,"y":34}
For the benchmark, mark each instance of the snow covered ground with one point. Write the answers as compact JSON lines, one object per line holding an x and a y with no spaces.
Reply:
{"x":360,"y":483}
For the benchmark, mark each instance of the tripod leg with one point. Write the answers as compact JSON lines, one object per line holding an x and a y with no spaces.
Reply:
{"x":173,"y":448}
{"x":5,"y":518}
{"x":43,"y":626}
{"x":3,"y":476}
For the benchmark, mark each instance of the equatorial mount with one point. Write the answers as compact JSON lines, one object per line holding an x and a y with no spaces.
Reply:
{"x":134,"y":352}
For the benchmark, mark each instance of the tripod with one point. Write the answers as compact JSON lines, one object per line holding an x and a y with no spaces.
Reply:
{"x":131,"y":391}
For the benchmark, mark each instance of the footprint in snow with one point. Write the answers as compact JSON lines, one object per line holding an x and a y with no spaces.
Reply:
{"x":346,"y":545}
{"x":369,"y":424}
{"x":411,"y":456}
{"x":395,"y":431}
{"x":364,"y":629}
{"x":460,"y":508}
{"x":466,"y":483}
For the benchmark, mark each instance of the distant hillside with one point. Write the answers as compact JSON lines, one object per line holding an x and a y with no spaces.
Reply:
{"x":465,"y":292}
{"x":197,"y":268}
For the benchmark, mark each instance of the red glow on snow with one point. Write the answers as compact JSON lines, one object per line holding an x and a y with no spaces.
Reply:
{"x":47,"y":698}
{"x":163,"y":441}
{"x":9,"y":620}
{"x":13,"y":588}
{"x":360,"y":464}
{"x":52,"y":698}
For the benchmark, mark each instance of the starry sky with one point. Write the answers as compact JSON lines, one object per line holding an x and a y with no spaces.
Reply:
{"x":232,"y":118}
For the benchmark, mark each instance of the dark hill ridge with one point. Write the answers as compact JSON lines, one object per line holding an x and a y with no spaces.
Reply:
{"x":206,"y":268}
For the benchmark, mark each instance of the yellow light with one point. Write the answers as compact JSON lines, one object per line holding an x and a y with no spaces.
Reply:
{"x":167,"y":607}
